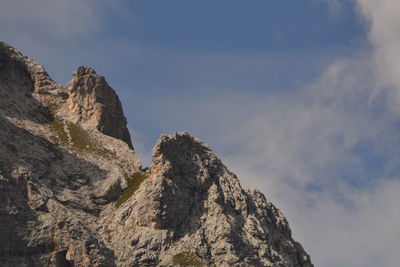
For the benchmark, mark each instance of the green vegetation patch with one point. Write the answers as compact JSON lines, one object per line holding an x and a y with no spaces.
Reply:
{"x":57,"y":125}
{"x":80,"y":139}
{"x":186,"y":258}
{"x":58,"y":130}
{"x":134,"y":182}
{"x":65,"y":132}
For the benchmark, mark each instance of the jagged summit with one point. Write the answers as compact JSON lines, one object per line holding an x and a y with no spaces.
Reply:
{"x":192,"y":205}
{"x":84,"y":70}
{"x":73,"y":192}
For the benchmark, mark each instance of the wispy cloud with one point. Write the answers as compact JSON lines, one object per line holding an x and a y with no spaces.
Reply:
{"x":383,"y":20}
{"x":326,"y":152}
{"x":49,"y":19}
{"x":329,"y":159}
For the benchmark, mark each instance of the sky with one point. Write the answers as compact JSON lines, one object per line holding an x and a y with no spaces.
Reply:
{"x":301,"y":99}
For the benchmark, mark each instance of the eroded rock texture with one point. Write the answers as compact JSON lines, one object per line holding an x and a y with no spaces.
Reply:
{"x":191,"y":204}
{"x":93,"y":102}
{"x":73,"y":193}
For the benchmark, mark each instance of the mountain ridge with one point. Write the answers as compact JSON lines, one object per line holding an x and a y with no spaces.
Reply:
{"x":73,"y":191}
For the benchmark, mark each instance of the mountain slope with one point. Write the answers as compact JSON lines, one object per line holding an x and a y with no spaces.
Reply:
{"x":73,"y":193}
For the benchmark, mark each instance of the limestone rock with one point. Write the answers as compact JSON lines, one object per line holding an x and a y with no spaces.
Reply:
{"x":55,"y":176}
{"x":73,"y":192}
{"x":193,"y":207}
{"x":93,"y":102}
{"x":16,"y":62}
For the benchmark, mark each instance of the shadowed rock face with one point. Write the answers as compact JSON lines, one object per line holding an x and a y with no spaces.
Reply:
{"x":73,"y":194}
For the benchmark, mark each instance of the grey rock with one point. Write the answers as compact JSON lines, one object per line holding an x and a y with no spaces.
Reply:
{"x":73,"y":192}
{"x":191,"y":204}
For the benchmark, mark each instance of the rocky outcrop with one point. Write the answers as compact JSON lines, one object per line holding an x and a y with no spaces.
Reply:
{"x":92,"y":102}
{"x":20,"y":79}
{"x":13,"y":62}
{"x":192,"y":206}
{"x":73,"y":193}
{"x":55,"y":176}
{"x":88,"y":100}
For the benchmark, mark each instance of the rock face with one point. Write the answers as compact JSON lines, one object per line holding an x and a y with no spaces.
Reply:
{"x":94,"y":103}
{"x":191,"y":206}
{"x":73,"y":193}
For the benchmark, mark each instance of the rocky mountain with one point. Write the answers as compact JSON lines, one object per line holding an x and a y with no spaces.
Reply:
{"x":73,"y":191}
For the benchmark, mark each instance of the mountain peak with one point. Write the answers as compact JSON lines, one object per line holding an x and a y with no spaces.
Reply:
{"x":73,"y":192}
{"x":191,"y":204}
{"x":84,"y":70}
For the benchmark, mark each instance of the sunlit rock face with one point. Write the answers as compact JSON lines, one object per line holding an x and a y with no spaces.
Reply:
{"x":94,"y":103}
{"x":192,"y":206}
{"x":73,"y":192}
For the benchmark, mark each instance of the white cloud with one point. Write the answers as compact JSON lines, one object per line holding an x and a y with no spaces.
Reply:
{"x":48,"y":19}
{"x":364,"y":234}
{"x":384,"y":22}
{"x":328,"y":155}
{"x":350,"y":216}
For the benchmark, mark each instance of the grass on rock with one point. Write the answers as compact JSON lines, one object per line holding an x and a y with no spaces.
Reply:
{"x":57,"y":127}
{"x":134,"y":182}
{"x":81,"y":140}
{"x":68,"y":133}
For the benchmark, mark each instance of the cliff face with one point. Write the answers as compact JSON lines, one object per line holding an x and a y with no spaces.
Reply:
{"x":94,"y":103}
{"x":72,"y":191}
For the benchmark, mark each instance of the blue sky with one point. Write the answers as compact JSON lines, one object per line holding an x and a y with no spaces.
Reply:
{"x":299,"y":98}
{"x":232,"y":25}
